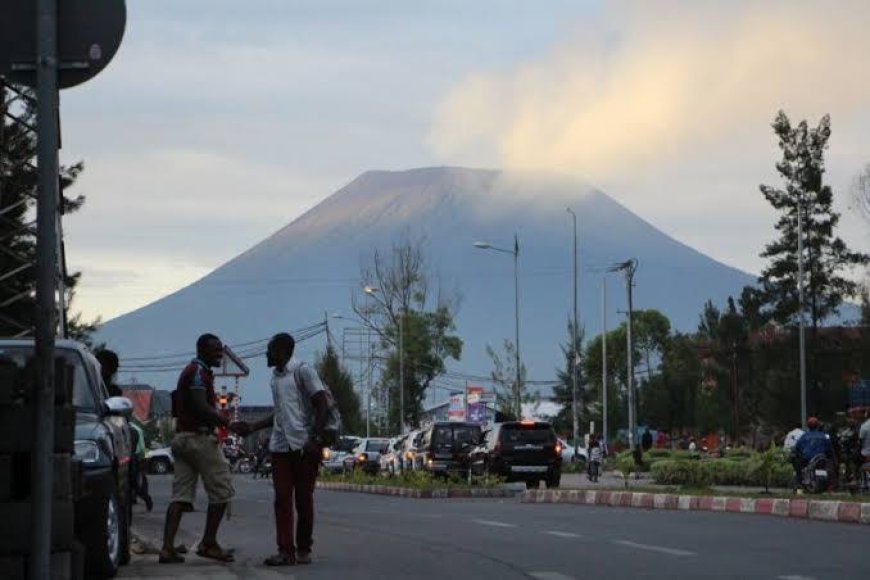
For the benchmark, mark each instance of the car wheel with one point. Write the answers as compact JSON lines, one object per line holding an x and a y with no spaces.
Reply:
{"x":104,"y":543}
{"x":159,"y":466}
{"x":245,"y":466}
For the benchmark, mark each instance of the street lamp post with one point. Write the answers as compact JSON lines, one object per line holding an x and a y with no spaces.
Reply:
{"x":604,"y":356}
{"x":629,"y":267}
{"x":801,"y":332}
{"x":516,"y":253}
{"x":574,"y":347}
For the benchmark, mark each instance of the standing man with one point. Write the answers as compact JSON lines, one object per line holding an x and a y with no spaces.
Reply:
{"x":296,"y":445}
{"x":109,"y":364}
{"x":197,"y":453}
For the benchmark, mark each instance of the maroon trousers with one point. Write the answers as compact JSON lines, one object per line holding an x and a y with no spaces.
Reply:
{"x":294,"y":475}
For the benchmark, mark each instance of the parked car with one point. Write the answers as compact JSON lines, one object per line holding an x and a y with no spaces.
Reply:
{"x":445,"y":447}
{"x":334,"y":457}
{"x":103,"y":445}
{"x":391,"y":461}
{"x":411,"y":459}
{"x":520,"y":451}
{"x":568,"y":453}
{"x":160,"y":460}
{"x":367,"y":455}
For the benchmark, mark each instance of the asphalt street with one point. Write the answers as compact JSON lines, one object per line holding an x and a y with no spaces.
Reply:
{"x":369,"y":537}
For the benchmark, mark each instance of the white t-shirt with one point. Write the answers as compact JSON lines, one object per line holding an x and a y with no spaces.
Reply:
{"x":294,"y":417}
{"x":791,"y":438}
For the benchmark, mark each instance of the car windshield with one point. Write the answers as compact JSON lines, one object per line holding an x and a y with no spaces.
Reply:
{"x":533,"y":434}
{"x":21,"y":358}
{"x":377,"y":446}
{"x":456,"y":435}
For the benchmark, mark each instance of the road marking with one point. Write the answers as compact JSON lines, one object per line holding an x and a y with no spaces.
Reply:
{"x":494,"y":524}
{"x":550,"y":576}
{"x":660,"y":549}
{"x":795,"y":577}
{"x":563,"y":534}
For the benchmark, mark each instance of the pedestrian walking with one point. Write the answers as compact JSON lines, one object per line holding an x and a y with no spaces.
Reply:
{"x":646,"y":440}
{"x":595,"y":457}
{"x":637,"y":455}
{"x":297,"y":441}
{"x":138,"y":479}
{"x":197,"y":453}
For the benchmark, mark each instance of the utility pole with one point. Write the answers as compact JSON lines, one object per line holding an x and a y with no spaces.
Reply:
{"x":48,"y":143}
{"x":575,"y":351}
{"x":629,"y":267}
{"x":401,"y":374}
{"x":801,"y":309}
{"x":604,"y":354}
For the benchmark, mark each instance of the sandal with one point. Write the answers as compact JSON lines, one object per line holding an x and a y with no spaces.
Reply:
{"x":170,"y":558}
{"x":280,"y":560}
{"x":215,"y":552}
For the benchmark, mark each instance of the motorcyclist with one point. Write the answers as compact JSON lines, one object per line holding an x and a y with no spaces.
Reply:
{"x":812,"y":443}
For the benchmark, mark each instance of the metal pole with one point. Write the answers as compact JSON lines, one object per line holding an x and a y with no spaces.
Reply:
{"x":629,"y":275}
{"x":368,"y":373}
{"x":801,"y":337}
{"x":42,"y":458}
{"x":517,"y":317}
{"x":575,"y":355}
{"x":604,"y":355}
{"x":401,"y":375}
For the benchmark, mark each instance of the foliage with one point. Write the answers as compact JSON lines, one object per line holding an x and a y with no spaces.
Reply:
{"x":563,"y":392}
{"x":340,"y":382}
{"x":690,"y":474}
{"x":770,"y":468}
{"x":401,"y":303}
{"x":413,"y":480}
{"x":802,"y":169}
{"x":504,"y":375}
{"x":18,"y":189}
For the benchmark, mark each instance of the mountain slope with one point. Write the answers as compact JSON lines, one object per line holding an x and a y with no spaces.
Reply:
{"x":312,"y":266}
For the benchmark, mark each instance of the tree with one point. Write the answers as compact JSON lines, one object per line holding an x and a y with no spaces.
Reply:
{"x":563,"y":392}
{"x":18,"y":187}
{"x":504,"y":375}
{"x":804,"y":197}
{"x":340,"y":382}
{"x":399,"y":294}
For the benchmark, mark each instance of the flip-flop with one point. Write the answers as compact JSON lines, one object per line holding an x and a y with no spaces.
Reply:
{"x":279,"y":560}
{"x":170,"y":558}
{"x":215,"y":552}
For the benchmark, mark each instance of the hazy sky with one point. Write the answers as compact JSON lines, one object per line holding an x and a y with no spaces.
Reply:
{"x":219,"y":122}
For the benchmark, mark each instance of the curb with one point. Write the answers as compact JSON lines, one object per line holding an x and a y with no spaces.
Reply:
{"x":416,"y":493}
{"x":822,"y":510}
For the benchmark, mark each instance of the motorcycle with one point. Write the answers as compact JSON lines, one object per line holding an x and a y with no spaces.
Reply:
{"x":816,"y":474}
{"x":264,"y":469}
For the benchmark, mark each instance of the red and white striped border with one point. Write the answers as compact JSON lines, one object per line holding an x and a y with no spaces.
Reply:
{"x":834,"y":511}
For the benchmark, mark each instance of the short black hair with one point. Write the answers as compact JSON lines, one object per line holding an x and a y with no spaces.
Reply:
{"x":284,"y":340}
{"x":204,"y":339}
{"x":108,"y":359}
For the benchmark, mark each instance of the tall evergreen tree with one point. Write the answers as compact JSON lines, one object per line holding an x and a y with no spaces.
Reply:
{"x":18,"y":190}
{"x":563,"y":392}
{"x":804,"y":196}
{"x":340,"y":383}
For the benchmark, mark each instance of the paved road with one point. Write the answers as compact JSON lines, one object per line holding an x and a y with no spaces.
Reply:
{"x":378,"y":537}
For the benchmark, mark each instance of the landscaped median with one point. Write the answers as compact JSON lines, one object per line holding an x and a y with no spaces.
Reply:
{"x":416,"y":493}
{"x":827,"y":510}
{"x":416,"y":485}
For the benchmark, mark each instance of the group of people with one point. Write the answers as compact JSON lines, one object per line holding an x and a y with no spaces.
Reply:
{"x":848,"y":447}
{"x":296,"y":445}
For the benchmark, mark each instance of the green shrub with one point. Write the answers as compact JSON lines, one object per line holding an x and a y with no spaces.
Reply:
{"x":739,"y":453}
{"x":658,"y":454}
{"x":685,"y":473}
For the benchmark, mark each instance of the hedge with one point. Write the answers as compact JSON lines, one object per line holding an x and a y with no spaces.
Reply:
{"x":758,"y":470}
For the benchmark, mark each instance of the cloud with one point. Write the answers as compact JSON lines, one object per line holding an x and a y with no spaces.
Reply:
{"x":653,"y":82}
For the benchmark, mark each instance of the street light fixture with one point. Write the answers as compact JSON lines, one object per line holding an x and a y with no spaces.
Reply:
{"x":629,"y":267}
{"x":515,"y":252}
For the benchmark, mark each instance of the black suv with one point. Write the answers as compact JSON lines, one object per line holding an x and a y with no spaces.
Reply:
{"x":102,"y":445}
{"x":520,"y":451}
{"x":444,"y":447}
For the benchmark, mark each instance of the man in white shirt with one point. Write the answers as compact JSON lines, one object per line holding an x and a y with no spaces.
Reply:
{"x":298,"y":423}
{"x":864,"y":437}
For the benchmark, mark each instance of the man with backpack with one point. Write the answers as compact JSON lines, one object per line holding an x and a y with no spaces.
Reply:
{"x":303,"y":423}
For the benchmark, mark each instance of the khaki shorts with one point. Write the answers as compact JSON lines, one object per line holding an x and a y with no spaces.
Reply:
{"x":198,"y":455}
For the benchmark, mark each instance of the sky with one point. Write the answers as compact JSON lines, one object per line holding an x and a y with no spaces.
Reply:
{"x":220,"y":122}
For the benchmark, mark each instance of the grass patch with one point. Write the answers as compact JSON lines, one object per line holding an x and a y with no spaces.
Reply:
{"x":414,"y":480}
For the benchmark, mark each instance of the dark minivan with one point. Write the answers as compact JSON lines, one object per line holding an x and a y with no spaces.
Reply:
{"x":520,"y":451}
{"x":445,"y":446}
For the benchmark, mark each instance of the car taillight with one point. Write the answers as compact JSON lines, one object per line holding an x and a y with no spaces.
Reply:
{"x":363,"y":457}
{"x":558,"y":449}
